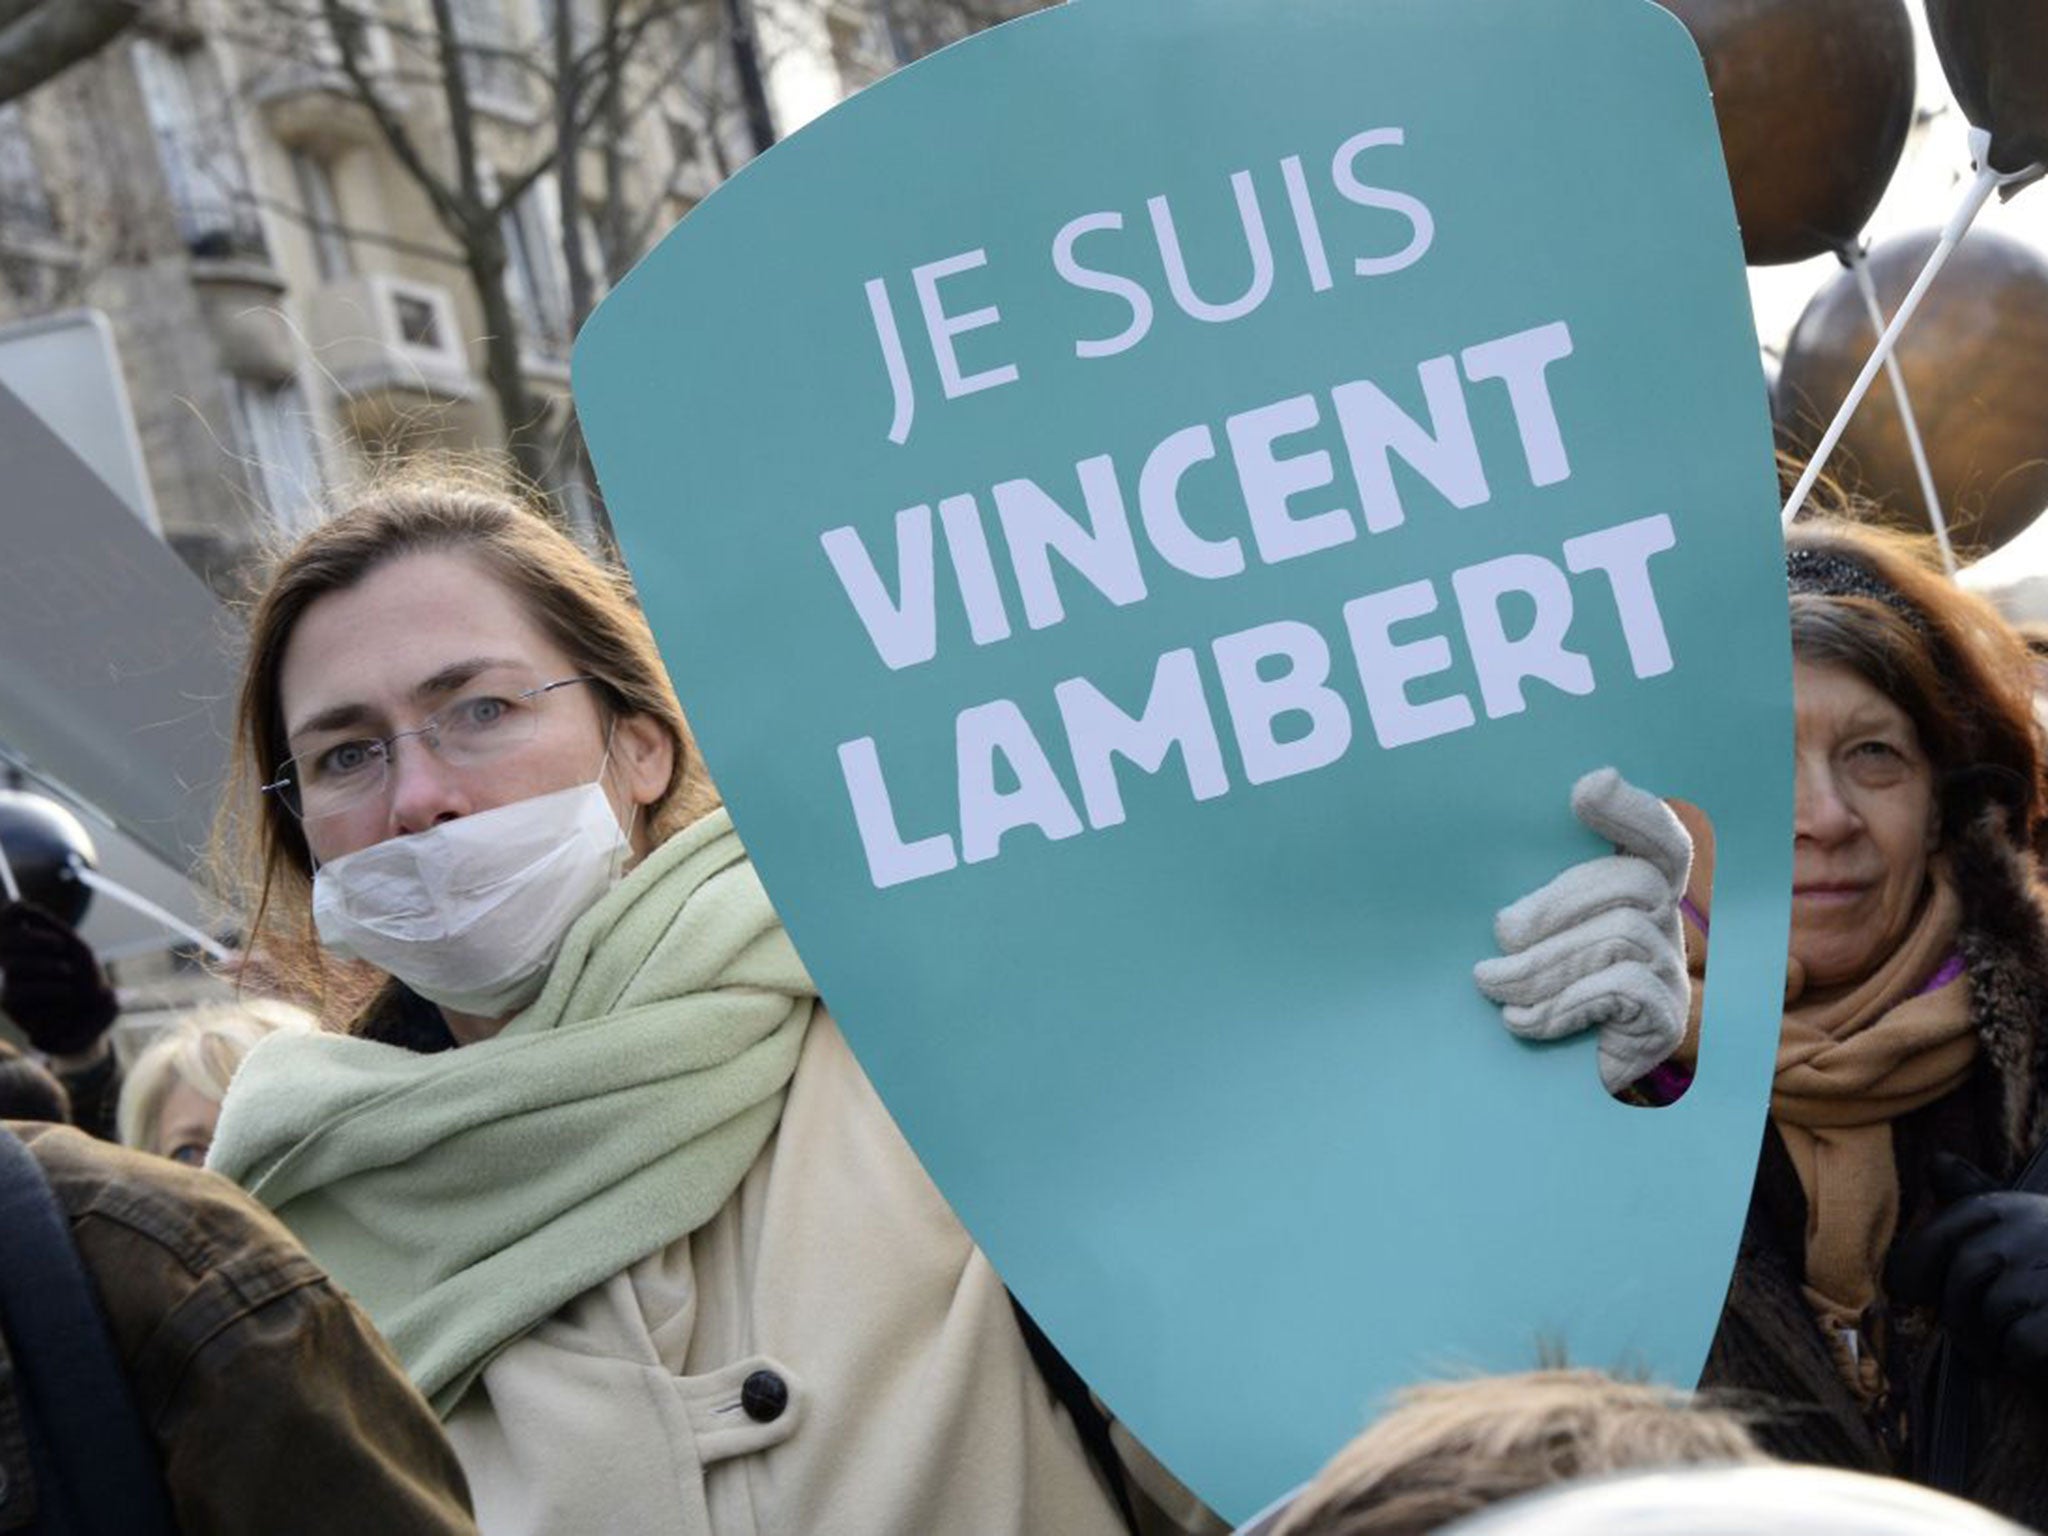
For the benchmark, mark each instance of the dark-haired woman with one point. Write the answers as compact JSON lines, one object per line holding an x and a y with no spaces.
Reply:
{"x":1912,"y":1078}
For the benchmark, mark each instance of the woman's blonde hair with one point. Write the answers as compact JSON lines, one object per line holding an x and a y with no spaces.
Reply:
{"x":1450,"y":1448}
{"x":585,"y":606}
{"x":203,"y":1050}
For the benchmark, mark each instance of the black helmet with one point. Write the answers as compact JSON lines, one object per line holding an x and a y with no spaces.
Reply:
{"x":46,"y":848}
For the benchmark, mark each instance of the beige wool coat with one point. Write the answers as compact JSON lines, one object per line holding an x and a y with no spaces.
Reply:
{"x":892,"y":1393}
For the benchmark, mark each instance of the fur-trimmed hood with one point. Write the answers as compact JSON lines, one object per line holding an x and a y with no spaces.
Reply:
{"x":2004,"y":944}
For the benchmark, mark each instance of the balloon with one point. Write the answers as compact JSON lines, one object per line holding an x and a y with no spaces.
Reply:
{"x":1814,"y":99}
{"x":1975,"y":360}
{"x":46,"y":846}
{"x":1995,"y":53}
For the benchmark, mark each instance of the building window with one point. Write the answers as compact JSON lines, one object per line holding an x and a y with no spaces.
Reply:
{"x":25,"y":212}
{"x":533,"y":264}
{"x":573,"y":491}
{"x":710,"y":110}
{"x":685,"y":146}
{"x":586,"y":24}
{"x":372,"y":42}
{"x":324,"y":228}
{"x":203,"y":170}
{"x":862,"y":50}
{"x":419,"y":322}
{"x":598,"y":256}
{"x":490,"y":64}
{"x":274,"y":437}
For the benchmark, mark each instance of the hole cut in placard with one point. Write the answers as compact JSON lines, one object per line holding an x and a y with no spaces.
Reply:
{"x":1669,"y":1081}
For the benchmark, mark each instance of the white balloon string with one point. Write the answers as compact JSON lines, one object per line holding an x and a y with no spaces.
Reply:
{"x":115,"y":890}
{"x":1987,"y":182}
{"x":1858,"y":261}
{"x":7,"y":876}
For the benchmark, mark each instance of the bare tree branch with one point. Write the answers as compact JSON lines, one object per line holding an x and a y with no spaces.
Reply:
{"x":599,"y":90}
{"x":346,"y":26}
{"x":606,"y":57}
{"x":355,"y":234}
{"x":42,"y":38}
{"x":461,"y":110}
{"x":612,"y":234}
{"x":569,"y":159}
{"x":746,"y":53}
{"x":585,"y":109}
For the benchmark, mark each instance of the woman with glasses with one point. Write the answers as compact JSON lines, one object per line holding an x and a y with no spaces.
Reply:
{"x":647,"y":1239}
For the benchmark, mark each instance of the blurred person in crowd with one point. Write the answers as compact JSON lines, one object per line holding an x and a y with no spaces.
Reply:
{"x":1737,"y":1501}
{"x":624,"y":1203}
{"x":171,"y":1097}
{"x":1885,"y":1248}
{"x":29,"y":1090}
{"x":52,"y":987}
{"x":170,"y":1360}
{"x":1447,"y":1449}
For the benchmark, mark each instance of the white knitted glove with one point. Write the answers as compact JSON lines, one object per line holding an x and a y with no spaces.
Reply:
{"x":1601,"y":947}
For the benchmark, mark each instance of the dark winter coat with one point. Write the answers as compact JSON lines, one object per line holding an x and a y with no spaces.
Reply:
{"x":1769,"y":1345}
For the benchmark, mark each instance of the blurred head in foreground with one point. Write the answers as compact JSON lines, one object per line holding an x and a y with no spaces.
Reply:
{"x":1448,"y":1449}
{"x":28,"y":1091}
{"x":170,"y":1101}
{"x":1776,"y":1500}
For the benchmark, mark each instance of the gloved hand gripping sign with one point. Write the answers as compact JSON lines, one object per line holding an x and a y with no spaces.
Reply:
{"x":1151,"y":511}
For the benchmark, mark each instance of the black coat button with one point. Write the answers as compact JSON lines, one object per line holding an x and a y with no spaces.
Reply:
{"x":764,"y":1395}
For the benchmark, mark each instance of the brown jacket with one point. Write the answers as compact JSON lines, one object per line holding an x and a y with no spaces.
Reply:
{"x":274,"y":1405}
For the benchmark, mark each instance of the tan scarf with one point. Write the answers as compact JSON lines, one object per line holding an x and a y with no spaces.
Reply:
{"x":1850,"y":1062}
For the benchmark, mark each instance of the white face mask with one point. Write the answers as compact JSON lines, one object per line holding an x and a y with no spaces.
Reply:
{"x":470,"y":913}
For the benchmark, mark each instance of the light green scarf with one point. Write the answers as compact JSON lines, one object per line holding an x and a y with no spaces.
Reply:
{"x":464,"y":1196}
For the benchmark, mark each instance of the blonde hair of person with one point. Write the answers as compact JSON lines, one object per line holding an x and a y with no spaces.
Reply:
{"x":202,"y":1050}
{"x":1448,"y":1449}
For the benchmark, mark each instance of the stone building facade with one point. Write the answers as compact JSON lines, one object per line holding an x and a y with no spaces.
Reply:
{"x":287,"y":307}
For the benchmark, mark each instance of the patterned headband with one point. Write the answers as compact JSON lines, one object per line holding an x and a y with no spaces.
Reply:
{"x":1828,"y":573}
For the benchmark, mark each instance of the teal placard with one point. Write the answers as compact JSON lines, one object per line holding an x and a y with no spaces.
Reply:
{"x":1149,"y":512}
